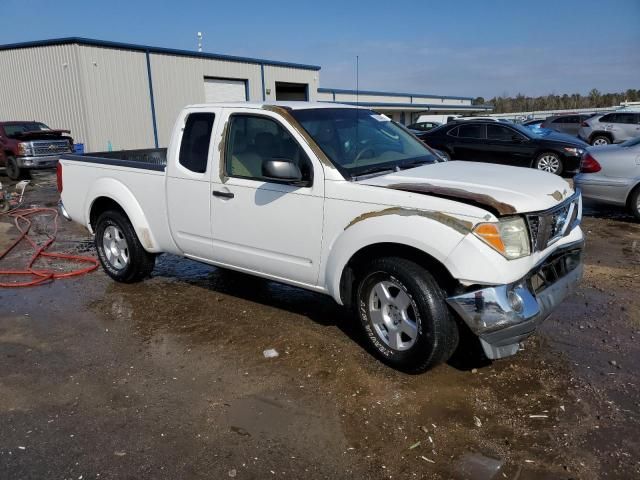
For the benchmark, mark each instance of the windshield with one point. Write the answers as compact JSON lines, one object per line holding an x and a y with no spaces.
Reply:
{"x":360,"y":141}
{"x":13,"y":129}
{"x":631,"y":143}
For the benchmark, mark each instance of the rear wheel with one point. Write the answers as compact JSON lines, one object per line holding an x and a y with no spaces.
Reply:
{"x":600,"y":140}
{"x":119,"y":250}
{"x":404,"y":315}
{"x":634,"y":202}
{"x":549,"y":162}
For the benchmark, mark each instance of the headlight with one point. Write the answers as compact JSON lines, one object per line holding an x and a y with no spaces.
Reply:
{"x":24,"y":149}
{"x":574,"y":151}
{"x":509,"y":236}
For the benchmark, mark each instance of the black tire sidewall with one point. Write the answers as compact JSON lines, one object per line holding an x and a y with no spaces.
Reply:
{"x":12,"y":169}
{"x":429,"y":307}
{"x":633,"y":203}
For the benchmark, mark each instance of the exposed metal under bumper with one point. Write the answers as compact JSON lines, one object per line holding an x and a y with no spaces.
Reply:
{"x":63,"y":211}
{"x":504,"y":315}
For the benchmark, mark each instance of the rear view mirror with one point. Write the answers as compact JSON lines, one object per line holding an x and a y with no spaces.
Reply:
{"x":517,"y":138}
{"x":281,"y":170}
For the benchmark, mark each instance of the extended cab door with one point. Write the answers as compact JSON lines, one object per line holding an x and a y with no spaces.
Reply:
{"x":261,"y":225}
{"x":189,"y":181}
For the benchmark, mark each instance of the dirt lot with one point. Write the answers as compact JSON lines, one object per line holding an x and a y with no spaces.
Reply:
{"x":167,"y":379}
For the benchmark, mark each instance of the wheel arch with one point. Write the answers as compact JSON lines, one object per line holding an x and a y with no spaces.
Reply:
{"x":600,"y":133}
{"x":111,"y":194}
{"x":349,"y":272}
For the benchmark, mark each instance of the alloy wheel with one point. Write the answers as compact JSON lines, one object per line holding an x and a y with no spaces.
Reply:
{"x":115,"y":247}
{"x":549,"y":163}
{"x":392,"y":313}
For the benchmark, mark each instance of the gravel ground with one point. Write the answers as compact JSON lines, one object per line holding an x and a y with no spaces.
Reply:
{"x":167,"y":379}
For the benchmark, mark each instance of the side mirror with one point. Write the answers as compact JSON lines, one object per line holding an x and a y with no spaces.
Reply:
{"x":517,"y":138}
{"x":281,"y":170}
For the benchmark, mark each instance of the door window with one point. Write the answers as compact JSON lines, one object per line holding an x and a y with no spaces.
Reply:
{"x":194,"y":149}
{"x":253,"y":140}
{"x":496,"y":132}
{"x":626,"y":118}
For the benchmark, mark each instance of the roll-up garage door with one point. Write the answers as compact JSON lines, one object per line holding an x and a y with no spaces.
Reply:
{"x":224,"y":90}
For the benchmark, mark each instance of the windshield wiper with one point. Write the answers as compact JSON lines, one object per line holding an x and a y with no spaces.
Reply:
{"x":373,"y":171}
{"x":415,"y":163}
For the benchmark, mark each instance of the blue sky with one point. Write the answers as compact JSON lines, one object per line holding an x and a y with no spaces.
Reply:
{"x":460,"y":47}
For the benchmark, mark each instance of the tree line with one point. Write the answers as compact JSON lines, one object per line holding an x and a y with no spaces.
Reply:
{"x":523,"y":103}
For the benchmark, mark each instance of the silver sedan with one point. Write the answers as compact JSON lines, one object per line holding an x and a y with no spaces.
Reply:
{"x":611,"y":174}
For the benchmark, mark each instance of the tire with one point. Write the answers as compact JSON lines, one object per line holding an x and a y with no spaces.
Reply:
{"x":122,"y":256}
{"x":549,"y":162}
{"x":600,"y":140}
{"x":14,"y":172}
{"x":634,"y":203}
{"x":414,"y":338}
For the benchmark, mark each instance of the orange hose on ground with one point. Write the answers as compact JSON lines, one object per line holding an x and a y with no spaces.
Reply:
{"x":23,"y":224}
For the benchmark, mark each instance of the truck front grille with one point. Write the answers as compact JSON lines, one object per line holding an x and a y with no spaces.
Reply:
{"x":50,"y":147}
{"x":548,"y":227}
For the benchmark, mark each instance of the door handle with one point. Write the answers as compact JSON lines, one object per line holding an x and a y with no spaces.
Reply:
{"x":218,"y":193}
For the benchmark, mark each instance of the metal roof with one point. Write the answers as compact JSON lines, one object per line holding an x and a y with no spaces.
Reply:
{"x":151,"y":49}
{"x":425,"y":106}
{"x":388,"y":94}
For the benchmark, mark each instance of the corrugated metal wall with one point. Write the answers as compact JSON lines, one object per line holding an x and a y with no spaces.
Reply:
{"x":102,"y":94}
{"x":43,"y":84}
{"x":179,"y":81}
{"x":115,"y":89}
{"x":273,"y":74}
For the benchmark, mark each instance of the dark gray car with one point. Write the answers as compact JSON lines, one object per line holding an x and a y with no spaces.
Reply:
{"x":569,"y":124}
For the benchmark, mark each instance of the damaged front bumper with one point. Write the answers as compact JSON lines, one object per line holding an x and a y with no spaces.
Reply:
{"x":504,"y":315}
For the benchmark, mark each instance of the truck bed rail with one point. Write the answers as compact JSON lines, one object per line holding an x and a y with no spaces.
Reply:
{"x":147,"y":159}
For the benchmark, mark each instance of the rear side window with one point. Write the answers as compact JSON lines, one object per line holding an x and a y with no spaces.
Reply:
{"x":194,"y":149}
{"x":471,"y":131}
{"x":610,"y":118}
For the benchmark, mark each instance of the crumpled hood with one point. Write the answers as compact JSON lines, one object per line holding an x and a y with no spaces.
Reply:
{"x":500,"y":189}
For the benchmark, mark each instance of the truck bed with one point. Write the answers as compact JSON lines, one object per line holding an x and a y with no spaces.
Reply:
{"x":147,"y":159}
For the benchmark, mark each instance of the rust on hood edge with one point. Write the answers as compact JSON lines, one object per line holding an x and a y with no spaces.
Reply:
{"x":460,"y":226}
{"x":479,"y":199}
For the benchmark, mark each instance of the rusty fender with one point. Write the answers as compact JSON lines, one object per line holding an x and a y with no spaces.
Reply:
{"x":460,"y":226}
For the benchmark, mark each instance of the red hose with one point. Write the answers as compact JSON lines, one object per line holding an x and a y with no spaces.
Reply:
{"x":23,"y":224}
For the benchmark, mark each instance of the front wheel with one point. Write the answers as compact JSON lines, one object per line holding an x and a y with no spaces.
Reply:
{"x":549,"y":162}
{"x":14,"y":172}
{"x":404,"y":315}
{"x":634,"y":203}
{"x":119,"y":250}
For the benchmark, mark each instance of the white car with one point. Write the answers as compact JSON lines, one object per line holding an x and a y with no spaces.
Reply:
{"x":341,"y":201}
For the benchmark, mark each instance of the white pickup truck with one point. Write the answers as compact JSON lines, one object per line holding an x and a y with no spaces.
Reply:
{"x":342,"y":201}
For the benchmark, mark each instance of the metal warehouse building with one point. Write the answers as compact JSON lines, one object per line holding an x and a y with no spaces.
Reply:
{"x":128,"y":96}
{"x":122,"y":96}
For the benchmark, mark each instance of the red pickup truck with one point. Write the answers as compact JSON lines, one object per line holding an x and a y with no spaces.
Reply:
{"x":31,"y":145}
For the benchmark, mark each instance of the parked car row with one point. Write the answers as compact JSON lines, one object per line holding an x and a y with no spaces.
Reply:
{"x":508,"y":144}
